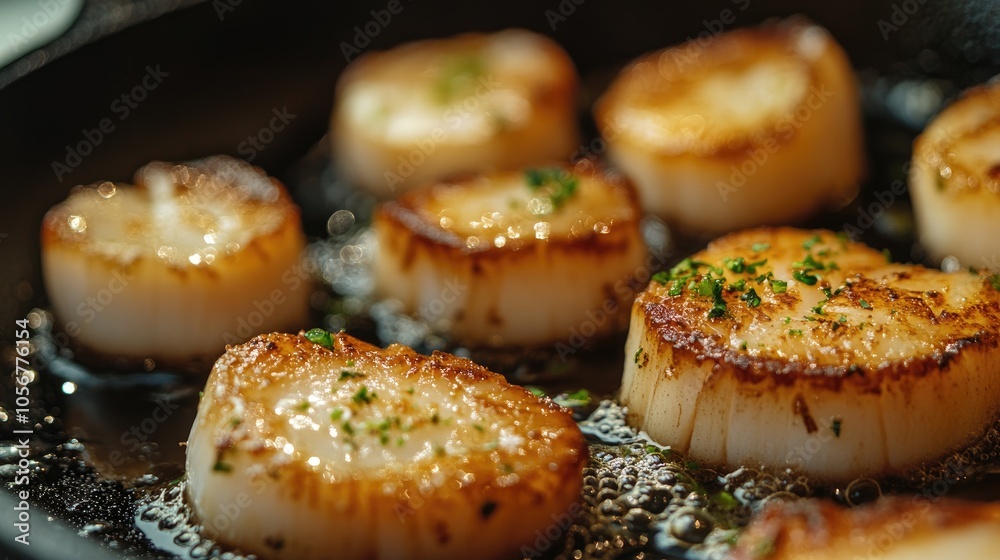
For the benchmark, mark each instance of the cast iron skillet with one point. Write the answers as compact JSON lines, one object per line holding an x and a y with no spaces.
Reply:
{"x":224,"y":66}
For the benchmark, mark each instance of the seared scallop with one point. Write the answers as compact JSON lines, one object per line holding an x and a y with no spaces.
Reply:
{"x":896,"y":528}
{"x":791,"y":348}
{"x":758,"y":126}
{"x":955,"y":180}
{"x":432,"y":109}
{"x":190,"y":258}
{"x":323,"y":443}
{"x":518,"y":258}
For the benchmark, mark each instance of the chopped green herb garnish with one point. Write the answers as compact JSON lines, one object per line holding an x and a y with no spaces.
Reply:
{"x":808,"y":243}
{"x":835,"y":426}
{"x":758,"y":247}
{"x":220,"y":466}
{"x":579,"y":398}
{"x":743,"y":345}
{"x":751,"y":268}
{"x":795,"y":332}
{"x":478,"y":427}
{"x":676,"y":287}
{"x":819,"y":307}
{"x":887,"y":255}
{"x":865,"y":304}
{"x":348,"y":428}
{"x":737,"y":286}
{"x":363,"y":396}
{"x":724,"y":500}
{"x":304,"y":406}
{"x":662,"y":277}
{"x":751,"y":297}
{"x":458,"y":78}
{"x":336,"y":413}
{"x":347,"y":374}
{"x":786,"y":320}
{"x":557,"y":183}
{"x":779,"y":286}
{"x":537,"y":391}
{"x":638,"y":353}
{"x":321,"y":337}
{"x":804,"y":277}
{"x":736,"y":265}
{"x":842,"y":319}
{"x":995,"y":281}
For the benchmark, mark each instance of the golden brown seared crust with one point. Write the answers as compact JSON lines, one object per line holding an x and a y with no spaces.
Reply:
{"x":934,"y":150}
{"x":503,"y":461}
{"x":881,"y":322}
{"x":389,"y":64}
{"x":266,"y":360}
{"x":666,"y":74}
{"x":409,"y":216}
{"x":234,"y":185}
{"x":818,"y":527}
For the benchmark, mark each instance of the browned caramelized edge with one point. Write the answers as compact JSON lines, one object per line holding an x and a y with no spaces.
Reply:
{"x":404,"y":214}
{"x":50,"y":236}
{"x":787,"y":529}
{"x":674,"y":329}
{"x":962,"y":179}
{"x":464,"y":42}
{"x":728,"y":45}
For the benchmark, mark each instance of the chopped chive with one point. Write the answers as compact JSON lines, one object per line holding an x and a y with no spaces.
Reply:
{"x":808,"y":243}
{"x":779,"y":286}
{"x":805,"y":277}
{"x":865,"y":304}
{"x":537,"y":391}
{"x":751,"y":297}
{"x":758,"y":247}
{"x":363,"y":396}
{"x":321,"y":337}
{"x":336,"y":413}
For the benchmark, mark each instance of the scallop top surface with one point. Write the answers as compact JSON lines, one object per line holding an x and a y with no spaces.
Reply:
{"x":962,"y":143}
{"x":513,"y":209}
{"x":789,"y":302}
{"x":469,"y":87}
{"x":705,"y":98}
{"x":183,"y":215}
{"x":360,"y":412}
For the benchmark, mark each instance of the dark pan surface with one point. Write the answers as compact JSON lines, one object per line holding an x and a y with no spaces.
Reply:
{"x":225,"y":66}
